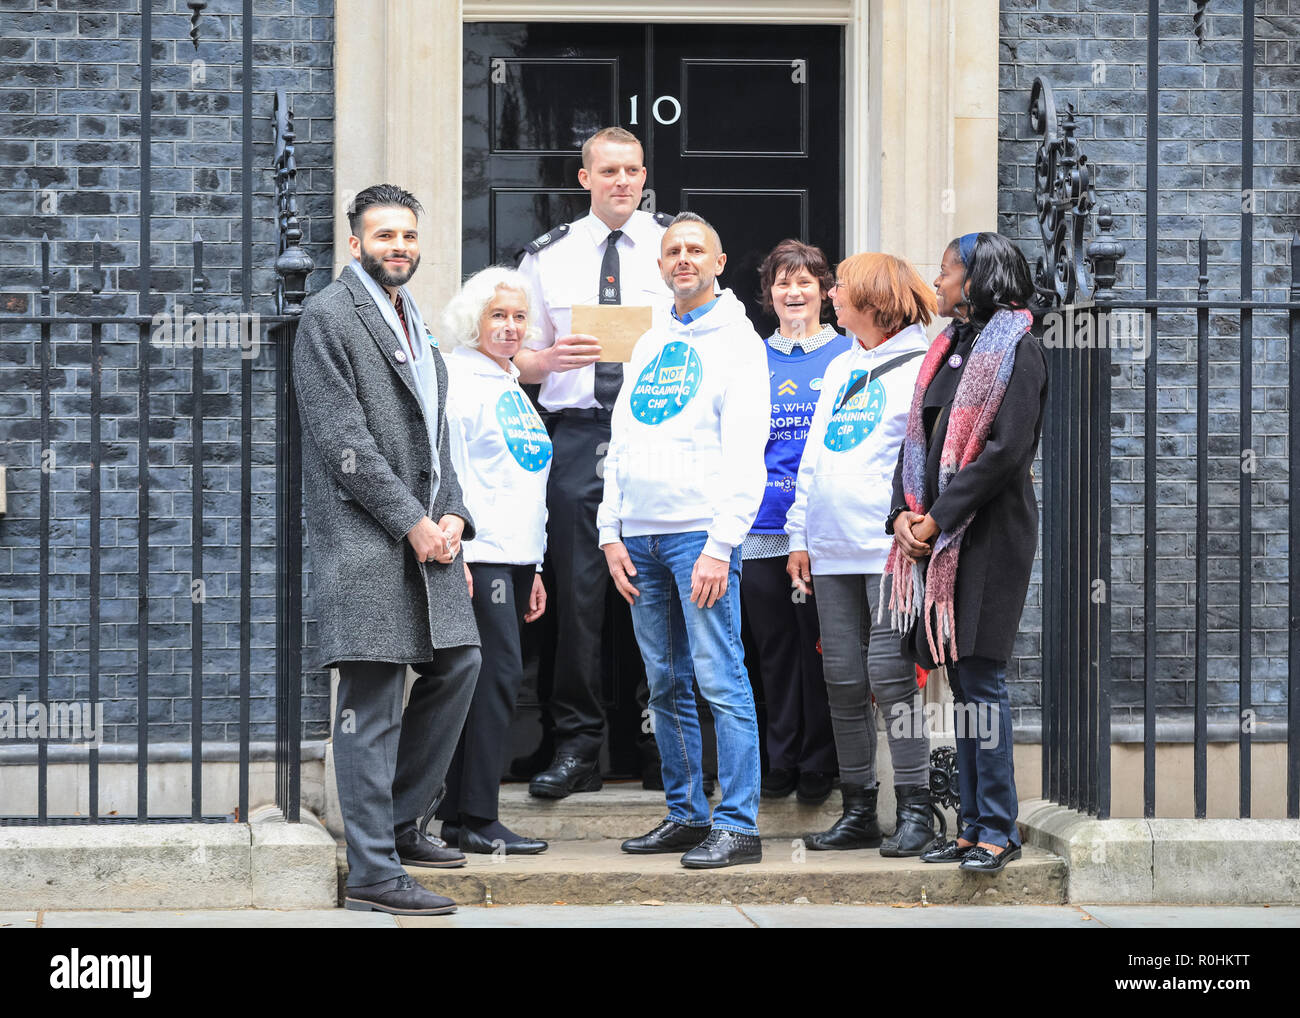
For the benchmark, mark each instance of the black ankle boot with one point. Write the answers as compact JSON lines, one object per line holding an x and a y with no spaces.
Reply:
{"x":915,"y":828}
{"x":857,"y":828}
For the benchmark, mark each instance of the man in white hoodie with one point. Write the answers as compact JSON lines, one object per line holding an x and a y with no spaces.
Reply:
{"x":684,"y":477}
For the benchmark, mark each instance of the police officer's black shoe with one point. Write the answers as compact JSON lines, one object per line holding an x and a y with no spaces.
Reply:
{"x":566,"y":775}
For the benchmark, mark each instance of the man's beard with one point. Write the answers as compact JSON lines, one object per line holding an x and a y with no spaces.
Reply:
{"x":375,"y":269}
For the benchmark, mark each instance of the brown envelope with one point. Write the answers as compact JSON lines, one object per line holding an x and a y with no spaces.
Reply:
{"x":617,"y":326}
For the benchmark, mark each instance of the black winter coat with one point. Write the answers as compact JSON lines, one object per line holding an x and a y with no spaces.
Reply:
{"x":997,"y":550}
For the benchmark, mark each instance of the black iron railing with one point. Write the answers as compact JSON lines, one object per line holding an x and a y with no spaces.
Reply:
{"x":60,"y":333}
{"x":1077,"y":639}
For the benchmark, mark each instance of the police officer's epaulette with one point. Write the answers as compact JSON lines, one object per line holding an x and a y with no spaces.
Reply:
{"x":664,"y":219}
{"x":547,"y":238}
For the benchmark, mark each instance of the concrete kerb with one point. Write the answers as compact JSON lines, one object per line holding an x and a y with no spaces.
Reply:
{"x":293,"y":865}
{"x":1204,"y":862}
{"x":266,"y":863}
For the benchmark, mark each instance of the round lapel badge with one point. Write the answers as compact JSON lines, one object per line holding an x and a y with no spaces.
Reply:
{"x":954,"y":361}
{"x":399,"y":356}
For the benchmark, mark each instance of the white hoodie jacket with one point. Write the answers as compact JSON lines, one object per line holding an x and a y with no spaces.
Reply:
{"x":846,"y":476}
{"x":688,"y":433}
{"x":502,"y":456}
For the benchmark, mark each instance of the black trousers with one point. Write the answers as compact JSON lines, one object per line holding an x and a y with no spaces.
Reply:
{"x":574,"y":490}
{"x":785,"y":634}
{"x":474,"y":777}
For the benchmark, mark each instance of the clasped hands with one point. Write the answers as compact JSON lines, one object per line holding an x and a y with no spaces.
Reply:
{"x":438,"y":542}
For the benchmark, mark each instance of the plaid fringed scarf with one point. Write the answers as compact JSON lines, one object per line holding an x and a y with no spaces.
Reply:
{"x":974,"y":407}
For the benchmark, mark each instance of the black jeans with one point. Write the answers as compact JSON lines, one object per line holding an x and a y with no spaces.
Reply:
{"x":474,"y":778}
{"x":785,"y":634}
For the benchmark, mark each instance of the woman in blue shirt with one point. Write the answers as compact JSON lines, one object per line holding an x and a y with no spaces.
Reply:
{"x":795,"y":279}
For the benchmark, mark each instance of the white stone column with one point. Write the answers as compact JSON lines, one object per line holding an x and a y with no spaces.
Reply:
{"x":397,"y":82}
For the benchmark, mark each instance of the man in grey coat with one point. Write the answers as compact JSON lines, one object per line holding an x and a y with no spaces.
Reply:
{"x":390,"y":585}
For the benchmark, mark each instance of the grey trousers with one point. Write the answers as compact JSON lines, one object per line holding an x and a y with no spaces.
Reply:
{"x":391,"y":764}
{"x":859,"y":658}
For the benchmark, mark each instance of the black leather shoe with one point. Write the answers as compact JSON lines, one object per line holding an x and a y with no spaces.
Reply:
{"x":981,"y":860}
{"x":406,"y":898}
{"x":856,"y":828}
{"x":948,"y":851}
{"x":724,"y":848}
{"x":914,"y":831}
{"x":779,"y":782}
{"x":814,"y":787}
{"x":472,"y":841}
{"x":669,"y":836}
{"x":450,"y":833}
{"x":566,"y":775}
{"x":416,"y":849}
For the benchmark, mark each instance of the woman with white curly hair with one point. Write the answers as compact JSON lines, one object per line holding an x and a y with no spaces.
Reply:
{"x":502,"y":456}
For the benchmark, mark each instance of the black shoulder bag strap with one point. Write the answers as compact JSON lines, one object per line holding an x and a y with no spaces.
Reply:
{"x":889,"y":365}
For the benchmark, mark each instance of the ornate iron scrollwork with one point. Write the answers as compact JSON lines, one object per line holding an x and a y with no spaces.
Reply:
{"x":1063,"y":196}
{"x":196,"y":10}
{"x":293,"y":263}
{"x":1198,"y":20}
{"x":943,"y":785}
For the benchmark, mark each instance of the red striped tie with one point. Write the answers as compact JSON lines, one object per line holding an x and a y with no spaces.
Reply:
{"x":401,"y":316}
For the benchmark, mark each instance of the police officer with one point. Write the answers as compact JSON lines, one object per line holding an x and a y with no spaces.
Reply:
{"x":607,"y":257}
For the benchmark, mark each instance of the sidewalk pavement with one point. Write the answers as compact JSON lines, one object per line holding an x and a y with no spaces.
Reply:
{"x":657,"y":915}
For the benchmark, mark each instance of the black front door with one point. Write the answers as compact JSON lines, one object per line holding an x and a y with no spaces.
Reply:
{"x":743,"y":125}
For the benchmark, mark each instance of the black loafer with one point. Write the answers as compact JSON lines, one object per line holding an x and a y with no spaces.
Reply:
{"x":566,"y":775}
{"x":450,"y":833}
{"x":472,"y":841}
{"x":981,"y":860}
{"x":814,"y":787}
{"x":724,"y":848}
{"x":669,"y":836}
{"x":948,"y":851}
{"x":416,"y":849}
{"x":405,"y":898}
{"x":779,"y":782}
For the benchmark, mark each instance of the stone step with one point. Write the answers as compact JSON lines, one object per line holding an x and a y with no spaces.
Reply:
{"x":597,"y":873}
{"x":623,"y":809}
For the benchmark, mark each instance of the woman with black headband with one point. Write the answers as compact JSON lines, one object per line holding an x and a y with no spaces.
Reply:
{"x":965,"y":524}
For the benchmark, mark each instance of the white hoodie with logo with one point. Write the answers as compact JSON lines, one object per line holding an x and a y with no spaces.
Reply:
{"x":689,"y":431}
{"x":502,"y":455}
{"x":846,"y":476}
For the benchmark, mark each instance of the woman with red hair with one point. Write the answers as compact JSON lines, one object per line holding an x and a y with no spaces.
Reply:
{"x":841,"y":497}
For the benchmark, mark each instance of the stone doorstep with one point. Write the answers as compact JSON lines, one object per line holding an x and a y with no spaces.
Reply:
{"x":265,"y":863}
{"x":1201,"y":862}
{"x":598,"y":873}
{"x":625,"y":809}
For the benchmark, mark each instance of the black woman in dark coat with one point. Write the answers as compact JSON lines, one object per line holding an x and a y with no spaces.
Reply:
{"x":965,"y":524}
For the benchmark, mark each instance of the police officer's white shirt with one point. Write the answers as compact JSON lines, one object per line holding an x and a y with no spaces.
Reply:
{"x":566,"y":272}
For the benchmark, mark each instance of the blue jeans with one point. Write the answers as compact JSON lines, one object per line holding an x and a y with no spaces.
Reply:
{"x":986,"y":775}
{"x":681,"y":642}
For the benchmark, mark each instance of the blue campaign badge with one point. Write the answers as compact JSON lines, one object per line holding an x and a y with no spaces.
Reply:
{"x":525,"y":435}
{"x":667,"y":384}
{"x":432,"y":342}
{"x":852,"y":423}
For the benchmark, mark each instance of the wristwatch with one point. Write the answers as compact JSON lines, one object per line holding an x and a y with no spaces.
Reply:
{"x":889,"y":520}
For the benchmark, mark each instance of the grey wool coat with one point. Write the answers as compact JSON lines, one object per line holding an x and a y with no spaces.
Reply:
{"x":366,"y":464}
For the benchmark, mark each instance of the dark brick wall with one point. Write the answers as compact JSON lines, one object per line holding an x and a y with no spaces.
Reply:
{"x":1073,"y":43}
{"x":70,"y":168}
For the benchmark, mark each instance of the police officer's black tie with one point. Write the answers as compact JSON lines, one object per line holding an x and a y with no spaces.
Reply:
{"x":609,"y":377}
